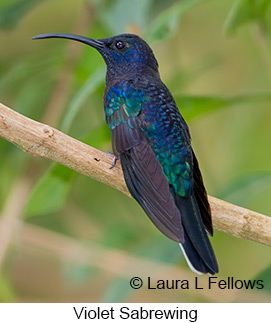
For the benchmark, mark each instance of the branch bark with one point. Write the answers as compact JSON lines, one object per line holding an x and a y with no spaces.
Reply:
{"x":42,"y":140}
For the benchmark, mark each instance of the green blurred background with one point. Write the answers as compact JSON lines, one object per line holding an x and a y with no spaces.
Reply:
{"x":74,"y":239}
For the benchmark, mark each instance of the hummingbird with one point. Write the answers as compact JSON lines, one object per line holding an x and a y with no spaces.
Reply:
{"x":152,"y":141}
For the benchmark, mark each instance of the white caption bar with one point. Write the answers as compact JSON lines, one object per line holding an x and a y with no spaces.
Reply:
{"x":95,"y":312}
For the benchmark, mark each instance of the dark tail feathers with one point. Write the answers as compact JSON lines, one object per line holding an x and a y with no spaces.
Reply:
{"x":197,"y":248}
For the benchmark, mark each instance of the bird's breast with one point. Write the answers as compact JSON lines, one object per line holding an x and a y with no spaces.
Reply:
{"x":122,"y":102}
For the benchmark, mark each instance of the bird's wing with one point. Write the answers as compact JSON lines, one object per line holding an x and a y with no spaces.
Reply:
{"x":149,"y":186}
{"x":142,"y":171}
{"x":201,"y":197}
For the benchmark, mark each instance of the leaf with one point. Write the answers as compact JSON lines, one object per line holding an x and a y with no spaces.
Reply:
{"x":98,"y":137}
{"x":78,"y":274}
{"x":12,"y":163}
{"x":160,"y":249}
{"x":246,"y":11}
{"x":51,"y":192}
{"x":246,"y":188}
{"x":118,"y":291}
{"x":11,"y":12}
{"x":120,"y":15}
{"x":167,"y":21}
{"x":89,"y":87}
{"x":265,"y":276}
{"x":7,"y":293}
{"x":194,"y":106}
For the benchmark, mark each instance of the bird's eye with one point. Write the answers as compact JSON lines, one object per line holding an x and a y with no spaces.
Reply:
{"x":119,"y":44}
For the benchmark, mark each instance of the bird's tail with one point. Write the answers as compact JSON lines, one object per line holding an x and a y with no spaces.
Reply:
{"x":197,"y":248}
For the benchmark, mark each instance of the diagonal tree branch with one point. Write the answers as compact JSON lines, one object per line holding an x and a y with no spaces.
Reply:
{"x":42,"y":140}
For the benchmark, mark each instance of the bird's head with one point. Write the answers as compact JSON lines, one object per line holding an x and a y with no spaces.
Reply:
{"x":124,"y":54}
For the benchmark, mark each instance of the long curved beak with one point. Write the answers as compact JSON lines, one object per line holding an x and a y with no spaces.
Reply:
{"x":89,"y":41}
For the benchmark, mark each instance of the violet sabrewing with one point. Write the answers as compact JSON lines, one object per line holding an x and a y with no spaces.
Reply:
{"x":152,"y":141}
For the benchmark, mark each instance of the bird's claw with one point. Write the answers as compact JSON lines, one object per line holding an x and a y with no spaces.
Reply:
{"x":115,"y":158}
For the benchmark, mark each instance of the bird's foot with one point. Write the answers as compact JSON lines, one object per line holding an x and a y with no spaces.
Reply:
{"x":115,"y":158}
